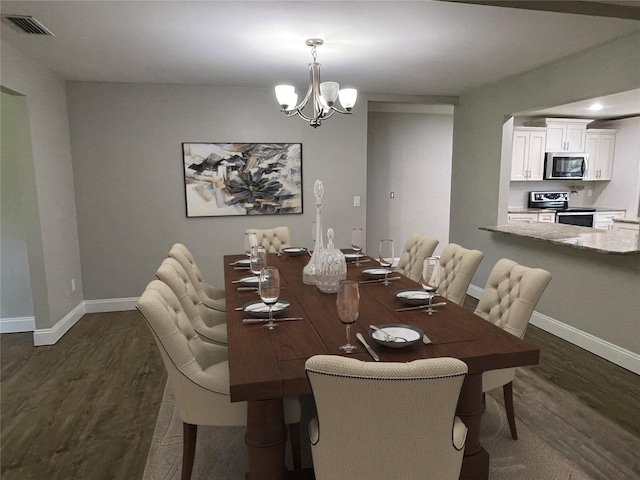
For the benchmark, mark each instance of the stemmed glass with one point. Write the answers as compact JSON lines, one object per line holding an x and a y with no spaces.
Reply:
{"x":386,"y":257}
{"x":270,"y":291}
{"x":430,"y":280}
{"x":258,"y":259}
{"x":357,"y":239}
{"x":348,"y":307}
{"x":250,"y":239}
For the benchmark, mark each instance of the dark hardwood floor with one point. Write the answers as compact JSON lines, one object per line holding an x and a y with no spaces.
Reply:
{"x":86,"y":407}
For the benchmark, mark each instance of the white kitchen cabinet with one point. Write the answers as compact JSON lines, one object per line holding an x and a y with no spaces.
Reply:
{"x":604,"y":220}
{"x":527,"y":154}
{"x":600,"y":145}
{"x":566,"y":134}
{"x":546,"y":217}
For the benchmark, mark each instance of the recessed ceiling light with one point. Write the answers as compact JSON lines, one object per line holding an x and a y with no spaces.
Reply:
{"x":596,"y":106}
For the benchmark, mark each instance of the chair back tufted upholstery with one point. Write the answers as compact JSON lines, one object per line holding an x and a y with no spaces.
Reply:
{"x":274,"y":239}
{"x":361,"y":405}
{"x":210,"y":324}
{"x":511,"y":295}
{"x":457,"y":267}
{"x":417,"y":248}
{"x":198,"y":372}
{"x":211,"y":297}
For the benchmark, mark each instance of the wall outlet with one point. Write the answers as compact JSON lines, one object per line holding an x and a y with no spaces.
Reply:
{"x":392,"y":195}
{"x":73,"y":284}
{"x":590,"y":193}
{"x":356,"y":201}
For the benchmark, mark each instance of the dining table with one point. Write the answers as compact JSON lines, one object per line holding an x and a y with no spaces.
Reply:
{"x":267,"y":365}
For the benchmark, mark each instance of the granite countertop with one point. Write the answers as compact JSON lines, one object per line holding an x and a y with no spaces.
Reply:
{"x":635,"y":220}
{"x":603,"y":241}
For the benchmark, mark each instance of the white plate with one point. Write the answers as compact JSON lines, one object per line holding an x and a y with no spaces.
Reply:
{"x":260,"y":309}
{"x":414,"y":296}
{"x":294,"y":251}
{"x":351,"y":257}
{"x":376,"y":272}
{"x":249,"y":280}
{"x":409,"y":333}
{"x":242,"y":262}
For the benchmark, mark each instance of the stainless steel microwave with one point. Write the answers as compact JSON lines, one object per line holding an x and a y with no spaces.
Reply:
{"x":561,"y":165}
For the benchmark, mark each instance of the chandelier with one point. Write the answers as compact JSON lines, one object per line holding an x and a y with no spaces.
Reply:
{"x":323,"y":95}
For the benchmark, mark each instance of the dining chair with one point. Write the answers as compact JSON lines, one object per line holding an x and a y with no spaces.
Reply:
{"x":210,"y":324}
{"x":417,"y":248}
{"x":508,"y":300}
{"x":457,"y":267}
{"x":212,"y":297}
{"x":387,"y":420}
{"x":273,"y":239}
{"x":198,"y":374}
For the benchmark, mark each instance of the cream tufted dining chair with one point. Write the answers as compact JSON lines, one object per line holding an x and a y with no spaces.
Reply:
{"x":417,"y":248}
{"x":457,"y":267}
{"x":198,"y":374}
{"x":509,"y":298}
{"x":210,"y":324}
{"x":386,"y":420}
{"x":273,"y":239}
{"x":212,"y":297}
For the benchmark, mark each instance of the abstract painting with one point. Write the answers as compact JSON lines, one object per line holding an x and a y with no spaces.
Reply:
{"x":222,"y":179}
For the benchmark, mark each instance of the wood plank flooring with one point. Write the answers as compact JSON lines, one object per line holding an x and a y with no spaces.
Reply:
{"x":86,"y":407}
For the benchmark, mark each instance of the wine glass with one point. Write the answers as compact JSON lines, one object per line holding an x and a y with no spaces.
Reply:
{"x":430,"y":280}
{"x":386,"y":257}
{"x":357,"y":239}
{"x":250,"y":239}
{"x":258,"y":259}
{"x":270,"y":291}
{"x":348,"y":307}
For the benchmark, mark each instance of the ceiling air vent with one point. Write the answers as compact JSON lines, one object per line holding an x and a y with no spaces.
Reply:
{"x":26,"y":24}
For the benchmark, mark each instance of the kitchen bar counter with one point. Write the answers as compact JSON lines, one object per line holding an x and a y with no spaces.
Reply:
{"x":603,"y":241}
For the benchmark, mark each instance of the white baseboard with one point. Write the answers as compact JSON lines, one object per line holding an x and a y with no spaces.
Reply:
{"x":111,"y":305}
{"x":607,"y":350}
{"x":49,"y":336}
{"x":17,"y":324}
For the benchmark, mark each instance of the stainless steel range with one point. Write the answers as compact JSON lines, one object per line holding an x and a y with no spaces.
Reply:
{"x":559,"y":201}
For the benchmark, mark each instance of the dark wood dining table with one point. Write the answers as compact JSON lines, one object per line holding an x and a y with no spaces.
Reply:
{"x":267,"y":365}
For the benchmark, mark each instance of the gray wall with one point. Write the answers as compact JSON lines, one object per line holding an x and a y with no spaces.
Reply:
{"x":15,"y":286}
{"x":410,"y":155}
{"x":595,"y":293}
{"x":52,"y":233}
{"x":127,"y":159}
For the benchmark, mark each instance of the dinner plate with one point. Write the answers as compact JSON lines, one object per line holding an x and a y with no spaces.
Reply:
{"x":260,"y":309}
{"x":351,"y":257}
{"x":414,"y":296}
{"x":253,"y":280}
{"x":408,"y":332}
{"x":376,"y":272}
{"x":294,"y":251}
{"x":242,"y":262}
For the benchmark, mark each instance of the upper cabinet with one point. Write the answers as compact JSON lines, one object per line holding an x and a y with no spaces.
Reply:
{"x":566,"y":134}
{"x":600,"y":145}
{"x":527,"y":154}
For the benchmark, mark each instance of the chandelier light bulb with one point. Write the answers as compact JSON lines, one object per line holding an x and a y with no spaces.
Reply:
{"x":348,"y":97}
{"x":329,"y":91}
{"x":284,"y":94}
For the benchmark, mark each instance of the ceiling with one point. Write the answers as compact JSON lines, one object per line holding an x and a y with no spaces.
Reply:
{"x":415,"y":47}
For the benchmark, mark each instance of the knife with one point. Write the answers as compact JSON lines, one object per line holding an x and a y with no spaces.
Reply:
{"x":366,"y":345}
{"x":379,"y":280}
{"x":261,"y":320}
{"x":421,"y":307}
